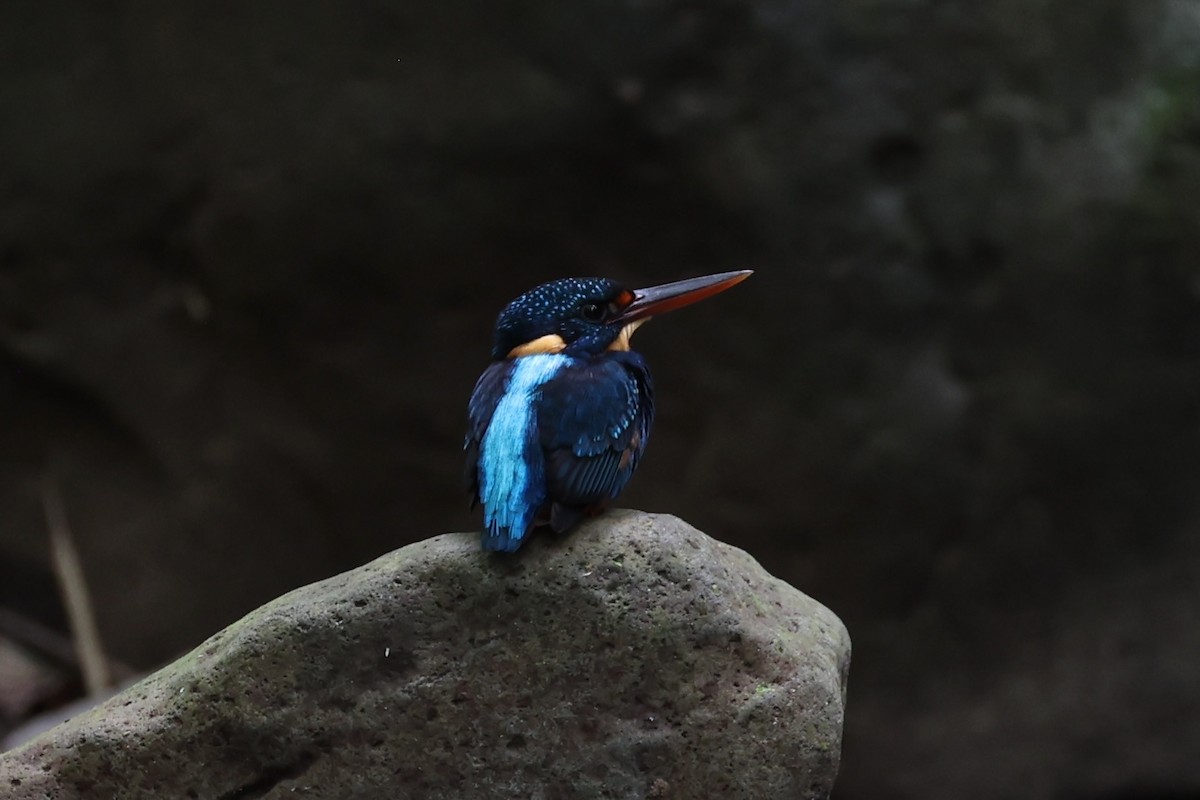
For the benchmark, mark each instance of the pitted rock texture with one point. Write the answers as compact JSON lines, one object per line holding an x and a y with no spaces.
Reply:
{"x":635,"y":658}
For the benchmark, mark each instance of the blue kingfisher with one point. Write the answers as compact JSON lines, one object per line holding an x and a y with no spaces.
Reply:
{"x":559,"y":420}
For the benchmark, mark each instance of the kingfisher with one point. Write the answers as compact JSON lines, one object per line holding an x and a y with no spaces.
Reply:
{"x":560,"y":419}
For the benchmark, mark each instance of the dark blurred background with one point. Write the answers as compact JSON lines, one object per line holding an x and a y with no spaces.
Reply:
{"x":251,"y":253}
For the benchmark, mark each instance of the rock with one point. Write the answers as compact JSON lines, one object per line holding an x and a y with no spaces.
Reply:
{"x":634,"y":658}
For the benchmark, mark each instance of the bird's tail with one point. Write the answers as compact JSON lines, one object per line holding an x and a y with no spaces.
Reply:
{"x":502,"y":539}
{"x":563,"y":518}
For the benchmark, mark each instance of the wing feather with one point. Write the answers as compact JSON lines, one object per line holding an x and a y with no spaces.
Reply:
{"x":594,"y":420}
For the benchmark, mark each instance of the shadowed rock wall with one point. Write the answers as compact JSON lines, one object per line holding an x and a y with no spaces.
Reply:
{"x":249,"y":261}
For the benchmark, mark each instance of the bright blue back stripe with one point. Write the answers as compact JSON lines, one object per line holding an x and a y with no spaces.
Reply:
{"x":505,"y":484}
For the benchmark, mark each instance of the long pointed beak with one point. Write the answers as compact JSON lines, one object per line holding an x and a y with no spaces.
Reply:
{"x":670,"y":296}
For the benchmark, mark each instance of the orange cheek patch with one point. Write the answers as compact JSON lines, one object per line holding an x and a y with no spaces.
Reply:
{"x":550,"y":343}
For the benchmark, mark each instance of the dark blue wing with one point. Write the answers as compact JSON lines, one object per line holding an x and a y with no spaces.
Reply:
{"x":594,"y":420}
{"x":484,"y":399}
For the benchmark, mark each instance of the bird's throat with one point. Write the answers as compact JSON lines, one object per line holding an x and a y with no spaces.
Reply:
{"x":621,"y":343}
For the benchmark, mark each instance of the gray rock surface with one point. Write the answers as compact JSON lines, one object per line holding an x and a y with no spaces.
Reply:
{"x":635,"y":658}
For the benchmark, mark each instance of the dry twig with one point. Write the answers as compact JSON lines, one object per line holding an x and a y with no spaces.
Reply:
{"x":80,"y":611}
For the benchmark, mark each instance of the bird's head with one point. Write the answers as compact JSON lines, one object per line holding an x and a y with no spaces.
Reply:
{"x":587,"y":316}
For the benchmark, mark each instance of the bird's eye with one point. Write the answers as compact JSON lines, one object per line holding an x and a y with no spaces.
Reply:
{"x":593,"y":312}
